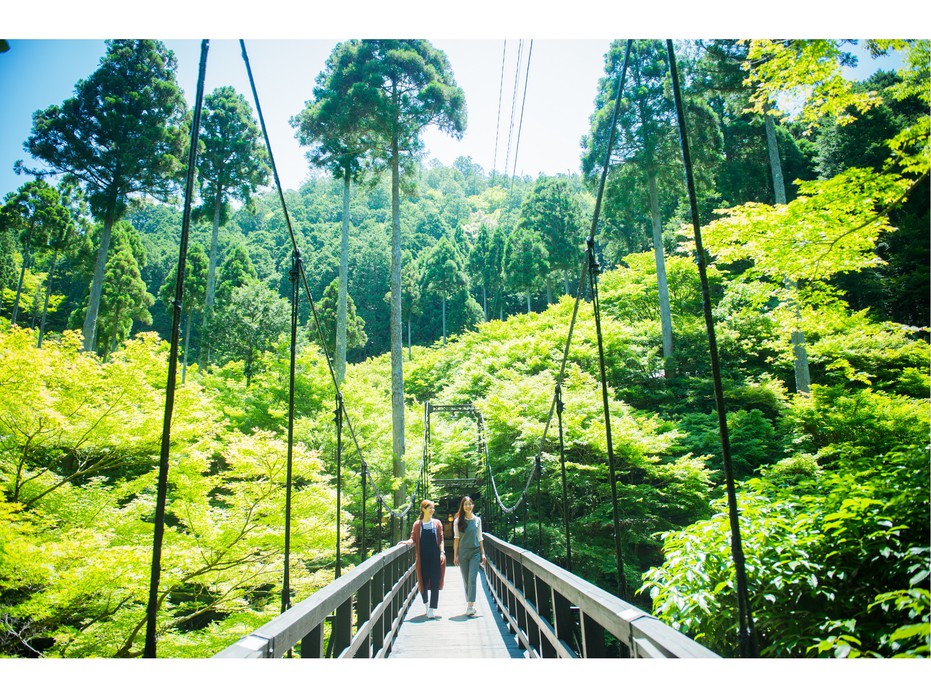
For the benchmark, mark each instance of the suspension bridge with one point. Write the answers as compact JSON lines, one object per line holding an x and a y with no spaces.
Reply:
{"x":528,"y":605}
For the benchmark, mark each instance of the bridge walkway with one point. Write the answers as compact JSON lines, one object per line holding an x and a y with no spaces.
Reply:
{"x":454,"y":634}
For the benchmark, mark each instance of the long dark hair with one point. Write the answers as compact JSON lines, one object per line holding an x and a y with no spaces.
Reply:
{"x":460,"y":515}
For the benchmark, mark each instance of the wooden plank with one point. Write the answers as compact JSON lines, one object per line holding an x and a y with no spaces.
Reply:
{"x":455,"y":635}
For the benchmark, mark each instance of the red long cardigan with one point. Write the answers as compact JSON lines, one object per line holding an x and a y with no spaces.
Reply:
{"x":415,"y":539}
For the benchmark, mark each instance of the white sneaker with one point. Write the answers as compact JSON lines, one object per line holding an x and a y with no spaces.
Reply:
{"x":430,"y":613}
{"x":470,"y":611}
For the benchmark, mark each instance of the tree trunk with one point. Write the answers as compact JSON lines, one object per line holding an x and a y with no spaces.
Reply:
{"x":211,"y":282}
{"x":444,"y":319}
{"x":110,"y":342}
{"x":528,"y":302}
{"x":48,"y":293}
{"x":658,"y":251}
{"x":485,"y":302}
{"x":802,"y":375}
{"x":549,"y":290}
{"x":410,"y":355}
{"x":214,"y":252}
{"x":22,"y":276}
{"x":565,"y":281}
{"x":397,"y":356}
{"x":93,"y":301}
{"x":341,"y":302}
{"x":187,"y":345}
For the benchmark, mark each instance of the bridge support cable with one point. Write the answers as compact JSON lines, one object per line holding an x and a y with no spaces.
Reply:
{"x":338,"y":418}
{"x":364,"y":474}
{"x":295,"y":301}
{"x":747,"y":640}
{"x":539,"y":467}
{"x":504,"y":53}
{"x":565,"y":486}
{"x":162,"y":491}
{"x":593,"y":270}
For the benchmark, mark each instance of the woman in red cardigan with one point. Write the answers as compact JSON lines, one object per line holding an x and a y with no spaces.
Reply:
{"x":427,"y":539}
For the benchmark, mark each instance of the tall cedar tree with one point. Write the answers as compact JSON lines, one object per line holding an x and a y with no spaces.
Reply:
{"x":124,"y":298}
{"x":556,"y":215}
{"x":405,"y":86}
{"x":121,"y":133}
{"x":331,"y":125}
{"x":525,"y":261}
{"x":328,"y":309}
{"x":444,"y":272}
{"x":645,"y":148}
{"x":233,"y":165}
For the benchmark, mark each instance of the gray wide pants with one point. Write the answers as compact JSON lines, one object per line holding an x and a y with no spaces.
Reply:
{"x":469,"y":562}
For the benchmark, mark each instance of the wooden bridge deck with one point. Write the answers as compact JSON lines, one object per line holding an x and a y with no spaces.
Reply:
{"x":453,"y":634}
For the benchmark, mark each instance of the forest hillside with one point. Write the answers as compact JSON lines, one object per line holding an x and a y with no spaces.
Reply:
{"x":463,"y":286}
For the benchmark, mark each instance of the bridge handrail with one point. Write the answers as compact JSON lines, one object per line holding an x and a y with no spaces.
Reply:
{"x":555,"y":613}
{"x":372,"y":597}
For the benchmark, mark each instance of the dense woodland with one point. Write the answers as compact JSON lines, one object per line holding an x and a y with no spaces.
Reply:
{"x":817,"y":225}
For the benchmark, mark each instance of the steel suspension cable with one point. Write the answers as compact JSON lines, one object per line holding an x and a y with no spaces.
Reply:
{"x":523,"y":103}
{"x":612,"y":470}
{"x":507,"y":158}
{"x":504,"y":53}
{"x":747,"y":637}
{"x":565,"y":485}
{"x":162,"y":489}
{"x":295,"y":300}
{"x":338,"y":417}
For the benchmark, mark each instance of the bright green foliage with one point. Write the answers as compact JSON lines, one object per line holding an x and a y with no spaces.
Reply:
{"x":80,"y":439}
{"x":808,"y":71}
{"x":833,"y":552}
{"x":509,"y":370}
{"x":831,"y":227}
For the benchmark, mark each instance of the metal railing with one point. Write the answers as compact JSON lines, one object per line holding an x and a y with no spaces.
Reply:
{"x":364,"y":608}
{"x":554,"y":613}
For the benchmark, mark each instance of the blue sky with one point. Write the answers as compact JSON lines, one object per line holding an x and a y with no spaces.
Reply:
{"x":561,"y":86}
{"x":564,"y":70}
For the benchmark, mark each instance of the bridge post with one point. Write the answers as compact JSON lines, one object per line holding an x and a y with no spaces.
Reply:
{"x":593,"y":638}
{"x":312,"y":644}
{"x":564,"y":622}
{"x":378,"y":631}
{"x":544,"y":598}
{"x":363,"y":615}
